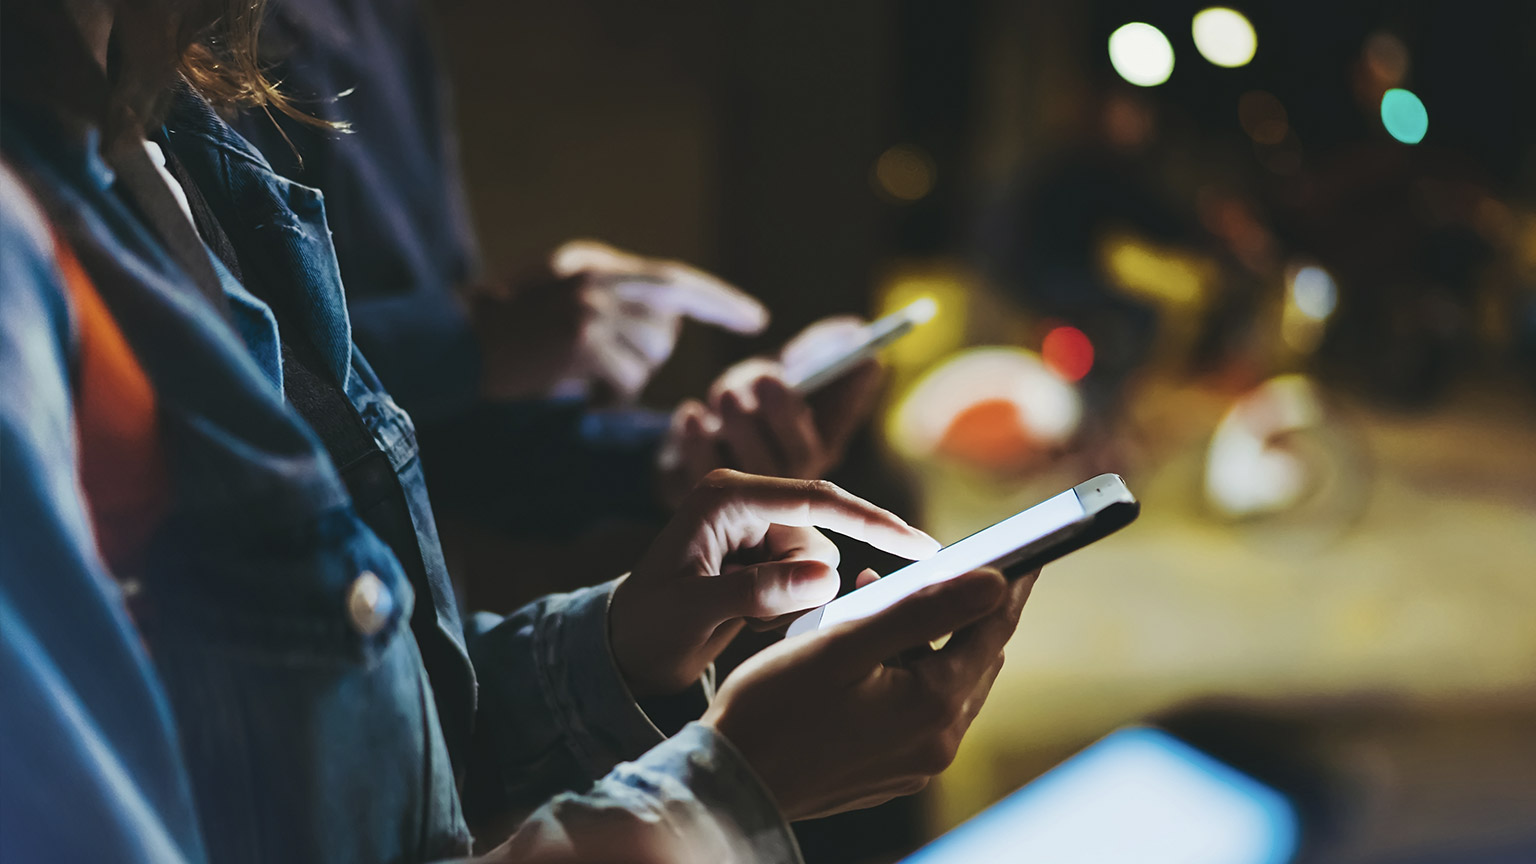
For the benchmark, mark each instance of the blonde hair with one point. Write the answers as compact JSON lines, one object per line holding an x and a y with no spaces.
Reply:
{"x":222,"y":63}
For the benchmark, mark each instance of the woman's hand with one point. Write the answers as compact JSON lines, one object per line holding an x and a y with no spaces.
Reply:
{"x":755,"y":421}
{"x":829,"y":726}
{"x":595,"y":318}
{"x":740,"y":548}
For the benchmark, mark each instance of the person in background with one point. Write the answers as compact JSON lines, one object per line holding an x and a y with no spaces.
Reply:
{"x":505,"y":378}
{"x":228,"y":632}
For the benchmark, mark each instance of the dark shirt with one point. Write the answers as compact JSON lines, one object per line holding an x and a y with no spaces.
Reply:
{"x":394,"y":197}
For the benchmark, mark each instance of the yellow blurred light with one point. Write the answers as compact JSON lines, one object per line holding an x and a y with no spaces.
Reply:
{"x":942,"y":286}
{"x":904,"y":172}
{"x":1224,"y":36}
{"x":1141,"y":54}
{"x":1163,"y":275}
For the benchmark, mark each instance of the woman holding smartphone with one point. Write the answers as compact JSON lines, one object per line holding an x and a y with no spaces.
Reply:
{"x":228,"y":631}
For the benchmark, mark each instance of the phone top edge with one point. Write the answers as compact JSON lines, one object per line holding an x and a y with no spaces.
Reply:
{"x":865,"y":350}
{"x":1102,"y":492}
{"x":878,"y":334}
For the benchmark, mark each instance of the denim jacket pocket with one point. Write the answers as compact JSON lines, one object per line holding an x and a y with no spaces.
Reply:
{"x":310,"y":730}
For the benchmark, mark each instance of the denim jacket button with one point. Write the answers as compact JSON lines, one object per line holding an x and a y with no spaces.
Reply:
{"x":369,"y":603}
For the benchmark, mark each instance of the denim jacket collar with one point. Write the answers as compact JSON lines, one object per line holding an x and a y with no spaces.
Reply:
{"x":279,"y":225}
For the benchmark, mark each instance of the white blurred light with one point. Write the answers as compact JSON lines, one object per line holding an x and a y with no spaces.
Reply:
{"x":1141,"y":54}
{"x":922,"y":310}
{"x":1248,"y":470}
{"x":1049,"y":409}
{"x":1224,"y":37}
{"x":1314,"y":292}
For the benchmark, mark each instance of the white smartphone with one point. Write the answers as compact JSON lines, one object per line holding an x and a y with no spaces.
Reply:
{"x":1087,"y":512}
{"x":878,"y":334}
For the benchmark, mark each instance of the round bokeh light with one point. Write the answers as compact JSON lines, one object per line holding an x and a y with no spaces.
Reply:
{"x":1224,"y":37}
{"x":1404,"y":115}
{"x":1141,"y":54}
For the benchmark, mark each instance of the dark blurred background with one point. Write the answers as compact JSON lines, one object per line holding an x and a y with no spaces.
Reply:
{"x":1287,"y":288}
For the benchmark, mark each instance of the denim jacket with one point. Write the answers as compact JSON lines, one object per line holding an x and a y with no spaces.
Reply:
{"x":400,"y":216}
{"x":268,"y":697}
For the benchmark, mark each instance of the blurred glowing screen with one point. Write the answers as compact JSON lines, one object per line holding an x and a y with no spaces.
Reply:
{"x":1141,"y":54}
{"x":1137,"y":795}
{"x":1224,"y":37}
{"x":1404,"y":116}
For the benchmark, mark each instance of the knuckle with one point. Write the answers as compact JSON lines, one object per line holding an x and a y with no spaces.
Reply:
{"x":936,"y":754}
{"x":818,"y":488}
{"x":716,"y":489}
{"x":721,"y":481}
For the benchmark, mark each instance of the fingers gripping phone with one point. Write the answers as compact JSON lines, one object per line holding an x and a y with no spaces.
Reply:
{"x":1017,"y":545}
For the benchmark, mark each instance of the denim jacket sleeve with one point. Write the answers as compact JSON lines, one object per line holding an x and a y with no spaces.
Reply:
{"x":85,"y":732}
{"x":691,"y":799}
{"x":555,"y":714}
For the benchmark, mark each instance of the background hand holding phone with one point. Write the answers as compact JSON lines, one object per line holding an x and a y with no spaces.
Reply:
{"x":755,"y":420}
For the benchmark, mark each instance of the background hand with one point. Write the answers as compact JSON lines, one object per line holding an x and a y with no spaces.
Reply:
{"x":595,"y":318}
{"x":829,"y":726}
{"x":741,"y":547}
{"x":754,"y":421}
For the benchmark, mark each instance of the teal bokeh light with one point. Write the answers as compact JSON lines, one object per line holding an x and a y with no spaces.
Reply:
{"x":1404,"y":116}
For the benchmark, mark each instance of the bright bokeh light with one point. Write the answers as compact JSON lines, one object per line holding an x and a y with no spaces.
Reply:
{"x":1248,"y":469}
{"x":1314,"y":293}
{"x":1311,"y":296}
{"x":941,"y":335}
{"x":1068,"y":353}
{"x":1404,"y":115}
{"x":1141,"y":54}
{"x":1163,"y":275}
{"x":1224,"y":37}
{"x":994,"y":408}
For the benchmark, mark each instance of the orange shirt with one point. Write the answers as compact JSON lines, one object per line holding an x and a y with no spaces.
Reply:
{"x":122,"y":463}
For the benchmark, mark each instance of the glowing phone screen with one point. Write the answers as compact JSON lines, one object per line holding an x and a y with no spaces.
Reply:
{"x":1140,"y":795}
{"x":977,"y":550}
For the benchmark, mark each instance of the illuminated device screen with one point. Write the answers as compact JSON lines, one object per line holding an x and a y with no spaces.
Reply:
{"x":1137,"y":795}
{"x":977,"y":550}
